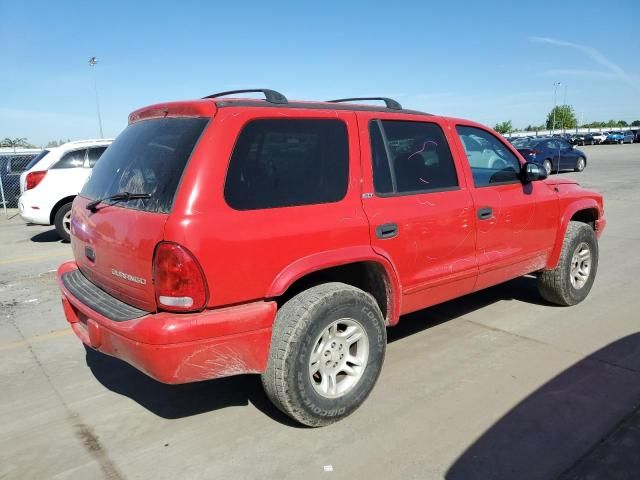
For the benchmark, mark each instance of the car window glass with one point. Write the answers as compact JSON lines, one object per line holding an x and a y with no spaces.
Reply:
{"x":19,"y":163}
{"x":495,"y":163}
{"x":284,"y":162}
{"x":94,"y":155}
{"x":74,"y":159}
{"x":410,"y":157}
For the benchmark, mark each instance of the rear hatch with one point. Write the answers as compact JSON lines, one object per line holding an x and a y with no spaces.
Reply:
{"x":114,"y":242}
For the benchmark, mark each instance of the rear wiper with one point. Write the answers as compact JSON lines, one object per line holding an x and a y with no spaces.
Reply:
{"x":118,"y":197}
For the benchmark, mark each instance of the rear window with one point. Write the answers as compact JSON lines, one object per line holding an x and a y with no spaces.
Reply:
{"x":147,"y":157}
{"x":36,"y":159}
{"x":282,"y":162}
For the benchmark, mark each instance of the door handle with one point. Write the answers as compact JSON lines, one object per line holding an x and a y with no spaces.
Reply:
{"x":485,"y":213}
{"x":387,"y":230}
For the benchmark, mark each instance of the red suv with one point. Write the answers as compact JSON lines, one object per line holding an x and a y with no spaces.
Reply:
{"x":224,"y":236}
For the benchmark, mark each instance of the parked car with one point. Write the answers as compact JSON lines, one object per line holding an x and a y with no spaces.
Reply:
{"x":11,"y":166}
{"x":554,"y":154}
{"x":224,"y":236}
{"x":582,"y":139}
{"x":620,"y":137}
{"x":600,"y":137}
{"x":54,"y":179}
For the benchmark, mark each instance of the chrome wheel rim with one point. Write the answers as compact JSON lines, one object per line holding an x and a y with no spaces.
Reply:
{"x":547,"y":167}
{"x":580,"y":266}
{"x":66,"y":222}
{"x":581,"y":164}
{"x":339,"y":358}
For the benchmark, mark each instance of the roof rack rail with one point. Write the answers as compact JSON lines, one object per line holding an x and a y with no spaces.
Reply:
{"x":389,"y":102}
{"x":270,"y":96}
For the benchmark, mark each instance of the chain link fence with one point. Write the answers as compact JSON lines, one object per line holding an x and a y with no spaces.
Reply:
{"x":12,"y":164}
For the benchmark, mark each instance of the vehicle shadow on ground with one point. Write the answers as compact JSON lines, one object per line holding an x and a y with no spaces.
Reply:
{"x":178,"y":401}
{"x":47,"y":237}
{"x":570,"y":428}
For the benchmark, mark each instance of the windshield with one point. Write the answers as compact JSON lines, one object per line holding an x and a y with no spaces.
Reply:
{"x":147,"y":157}
{"x":36,"y":159}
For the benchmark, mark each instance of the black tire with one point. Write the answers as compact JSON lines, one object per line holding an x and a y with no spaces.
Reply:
{"x":548,"y":166}
{"x":555,"y":285}
{"x":580,"y":166}
{"x":299,"y":322}
{"x":60,"y":220}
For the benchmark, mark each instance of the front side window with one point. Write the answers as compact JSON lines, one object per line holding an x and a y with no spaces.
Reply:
{"x":74,"y":159}
{"x":284,"y":162}
{"x":490,"y":160}
{"x":410,"y":157}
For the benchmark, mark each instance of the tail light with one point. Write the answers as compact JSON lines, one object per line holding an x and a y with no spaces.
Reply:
{"x":34,"y":178}
{"x":179,"y":282}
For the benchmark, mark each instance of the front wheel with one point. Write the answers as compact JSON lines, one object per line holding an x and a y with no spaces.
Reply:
{"x":547,"y":166}
{"x":327,"y":349}
{"x":580,"y":164}
{"x":571,"y":281}
{"x":62,"y":222}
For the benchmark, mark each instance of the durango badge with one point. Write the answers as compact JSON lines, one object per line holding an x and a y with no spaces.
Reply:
{"x":128,"y":276}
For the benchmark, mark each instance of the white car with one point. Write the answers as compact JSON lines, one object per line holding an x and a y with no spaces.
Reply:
{"x":600,"y":137}
{"x":54,"y":179}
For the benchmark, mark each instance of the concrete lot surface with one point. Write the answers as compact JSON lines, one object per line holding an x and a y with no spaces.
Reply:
{"x":494,"y":385}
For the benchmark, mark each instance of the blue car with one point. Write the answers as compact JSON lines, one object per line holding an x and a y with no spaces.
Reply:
{"x":554,"y":154}
{"x":620,"y":137}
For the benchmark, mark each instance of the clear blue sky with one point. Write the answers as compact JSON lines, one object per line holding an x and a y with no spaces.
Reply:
{"x":480,"y":60}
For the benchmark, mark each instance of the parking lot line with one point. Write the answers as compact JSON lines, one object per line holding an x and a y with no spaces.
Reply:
{"x":33,"y":258}
{"x":36,"y":338}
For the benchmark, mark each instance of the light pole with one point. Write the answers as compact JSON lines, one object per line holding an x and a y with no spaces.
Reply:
{"x":555,"y":94}
{"x":92,"y":63}
{"x":564,"y":104}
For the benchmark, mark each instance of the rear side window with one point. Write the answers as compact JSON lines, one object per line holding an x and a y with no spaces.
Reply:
{"x":94,"y":155}
{"x":147,"y":157}
{"x":410,"y":157}
{"x":490,"y":160}
{"x":74,"y":159}
{"x":283,"y":162}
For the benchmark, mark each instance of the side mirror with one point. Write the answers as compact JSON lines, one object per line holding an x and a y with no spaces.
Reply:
{"x":532,"y":172}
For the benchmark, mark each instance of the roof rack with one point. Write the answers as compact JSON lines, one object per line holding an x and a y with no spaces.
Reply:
{"x":389,"y":102}
{"x":270,"y":96}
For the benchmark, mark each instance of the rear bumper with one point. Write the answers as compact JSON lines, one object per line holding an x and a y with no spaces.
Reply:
{"x":178,"y":348}
{"x":33,"y":210}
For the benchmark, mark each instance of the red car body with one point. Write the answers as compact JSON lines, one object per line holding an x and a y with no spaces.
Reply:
{"x":252,"y":258}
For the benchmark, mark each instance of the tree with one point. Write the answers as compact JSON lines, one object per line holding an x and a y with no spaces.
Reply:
{"x":503,"y":127}
{"x":635,"y":123}
{"x":622,"y":123}
{"x":564,"y":117}
{"x":52,"y":143}
{"x":15,"y":143}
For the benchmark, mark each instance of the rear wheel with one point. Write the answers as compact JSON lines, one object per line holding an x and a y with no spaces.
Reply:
{"x":571,"y":281}
{"x":327,"y":350}
{"x":62,"y":222}
{"x":580,"y":164}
